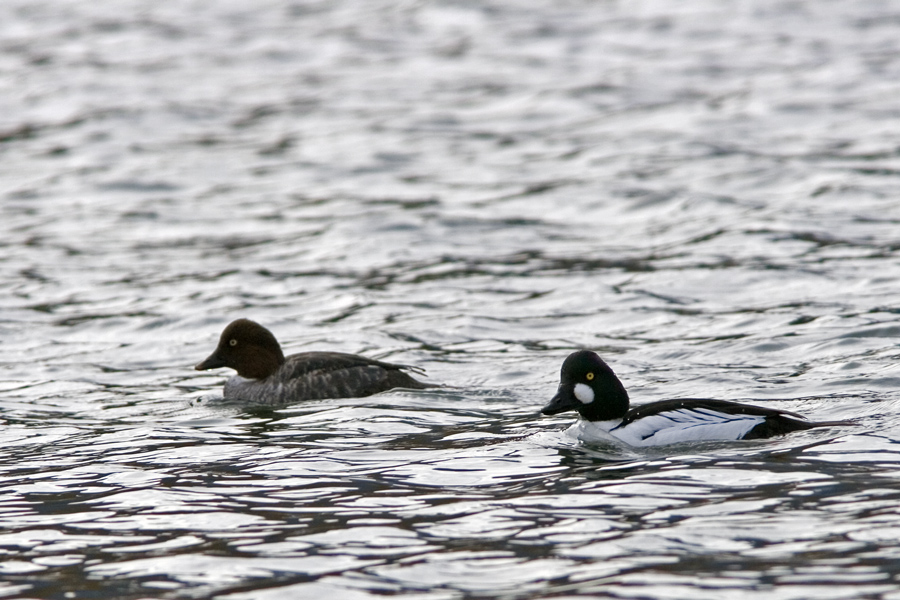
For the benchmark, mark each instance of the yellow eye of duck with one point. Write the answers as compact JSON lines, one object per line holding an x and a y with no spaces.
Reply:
{"x":590,"y":376}
{"x":232,"y":343}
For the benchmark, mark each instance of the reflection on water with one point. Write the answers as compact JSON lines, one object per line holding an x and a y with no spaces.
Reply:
{"x":706,"y":193}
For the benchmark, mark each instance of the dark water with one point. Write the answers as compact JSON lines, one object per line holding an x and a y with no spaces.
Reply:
{"x":707,"y":193}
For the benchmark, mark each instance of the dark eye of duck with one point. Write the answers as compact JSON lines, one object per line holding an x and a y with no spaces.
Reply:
{"x":233,"y":342}
{"x":589,"y":376}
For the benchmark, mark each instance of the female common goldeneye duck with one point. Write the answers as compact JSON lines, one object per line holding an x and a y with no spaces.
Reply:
{"x":265,"y":375}
{"x":588,"y":385}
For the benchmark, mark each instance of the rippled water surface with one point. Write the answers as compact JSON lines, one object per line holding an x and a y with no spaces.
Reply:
{"x":707,"y":193}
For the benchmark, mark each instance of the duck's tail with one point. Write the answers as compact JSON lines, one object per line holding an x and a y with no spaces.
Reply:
{"x":782,"y":424}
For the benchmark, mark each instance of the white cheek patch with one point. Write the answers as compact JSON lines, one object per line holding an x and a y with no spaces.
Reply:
{"x":584,"y":393}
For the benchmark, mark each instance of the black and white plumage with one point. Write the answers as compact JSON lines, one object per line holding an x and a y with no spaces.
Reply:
{"x":589,"y":386}
{"x":266,"y":376}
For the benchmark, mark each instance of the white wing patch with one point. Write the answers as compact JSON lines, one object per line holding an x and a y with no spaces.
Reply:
{"x":686,"y":425}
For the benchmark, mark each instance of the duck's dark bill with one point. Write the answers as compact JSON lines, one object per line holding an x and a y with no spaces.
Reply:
{"x":212,"y":362}
{"x":563,"y":400}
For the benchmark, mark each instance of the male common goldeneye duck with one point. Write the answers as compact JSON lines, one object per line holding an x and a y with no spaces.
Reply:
{"x":588,"y":385}
{"x":265,"y":375}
